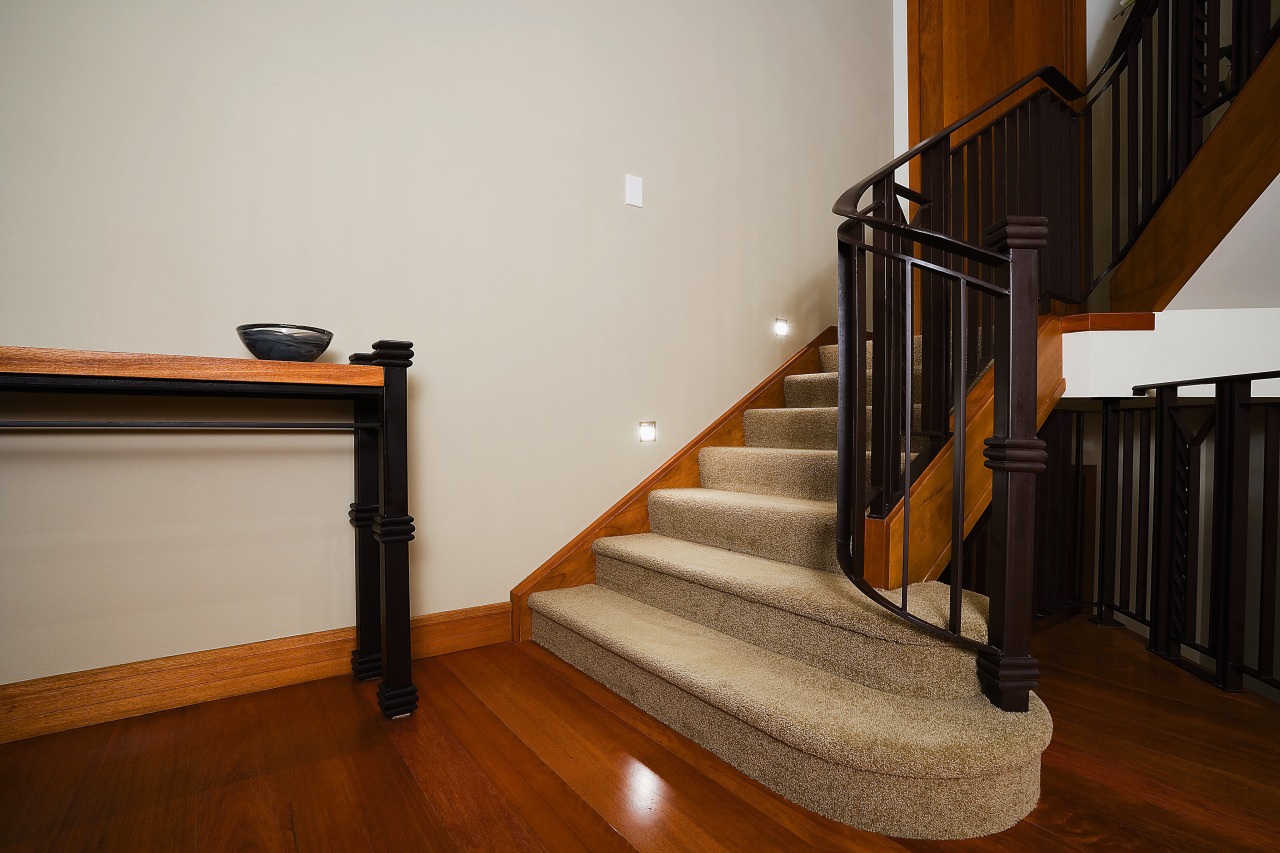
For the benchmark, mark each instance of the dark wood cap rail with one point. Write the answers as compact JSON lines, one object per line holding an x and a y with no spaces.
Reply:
{"x":65,"y":362}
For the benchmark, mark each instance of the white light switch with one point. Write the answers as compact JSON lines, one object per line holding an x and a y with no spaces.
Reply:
{"x":635,"y":191}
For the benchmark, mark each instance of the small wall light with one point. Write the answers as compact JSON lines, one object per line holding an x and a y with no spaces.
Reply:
{"x":648,"y":430}
{"x":781,"y":327}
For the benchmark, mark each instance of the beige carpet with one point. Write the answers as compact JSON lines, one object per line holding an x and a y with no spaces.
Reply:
{"x":731,"y":622}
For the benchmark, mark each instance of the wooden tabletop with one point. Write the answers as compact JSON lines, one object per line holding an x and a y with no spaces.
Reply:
{"x":66,"y":362}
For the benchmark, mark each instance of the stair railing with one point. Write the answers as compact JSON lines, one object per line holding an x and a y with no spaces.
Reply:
{"x":1014,"y":454}
{"x":917,"y":257}
{"x":1189,"y":536}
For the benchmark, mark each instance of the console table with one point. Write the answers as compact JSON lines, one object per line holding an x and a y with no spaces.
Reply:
{"x":373,"y":382}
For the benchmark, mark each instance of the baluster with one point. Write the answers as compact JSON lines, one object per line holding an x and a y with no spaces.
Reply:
{"x":1163,"y":140}
{"x":1144,"y":510}
{"x":1104,"y":614}
{"x":1160,"y":638}
{"x":1269,"y":568}
{"x":851,"y":436}
{"x":958,"y":443}
{"x":1148,"y":116}
{"x":1126,"y":510}
{"x":1230,"y":530}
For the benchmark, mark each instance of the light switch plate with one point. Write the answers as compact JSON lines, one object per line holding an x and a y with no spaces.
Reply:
{"x":635,"y":191}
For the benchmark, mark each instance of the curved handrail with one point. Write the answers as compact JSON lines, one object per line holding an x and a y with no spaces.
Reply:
{"x":847,"y":204}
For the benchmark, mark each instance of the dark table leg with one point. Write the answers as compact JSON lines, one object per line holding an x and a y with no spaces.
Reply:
{"x":366,"y":659}
{"x":393,"y":528}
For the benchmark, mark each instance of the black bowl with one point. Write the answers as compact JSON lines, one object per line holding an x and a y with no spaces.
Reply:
{"x":283,"y":341}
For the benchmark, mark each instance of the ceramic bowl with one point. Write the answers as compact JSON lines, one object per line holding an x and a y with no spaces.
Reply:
{"x":283,"y":341}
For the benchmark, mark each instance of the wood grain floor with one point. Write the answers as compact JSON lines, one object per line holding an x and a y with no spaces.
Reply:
{"x":513,"y":751}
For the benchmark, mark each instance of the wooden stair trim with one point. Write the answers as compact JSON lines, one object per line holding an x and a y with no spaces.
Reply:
{"x":60,"y":702}
{"x":1237,"y":162}
{"x":1109,"y":321}
{"x":931,"y":493}
{"x":128,"y":365}
{"x":574,"y":564}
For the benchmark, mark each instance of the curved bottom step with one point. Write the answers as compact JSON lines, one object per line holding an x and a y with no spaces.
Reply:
{"x":959,"y":793}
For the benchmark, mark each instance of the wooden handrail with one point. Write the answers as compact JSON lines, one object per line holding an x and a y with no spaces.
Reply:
{"x":847,"y":204}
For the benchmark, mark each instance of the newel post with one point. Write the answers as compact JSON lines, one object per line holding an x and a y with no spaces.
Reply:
{"x":1015,"y":456}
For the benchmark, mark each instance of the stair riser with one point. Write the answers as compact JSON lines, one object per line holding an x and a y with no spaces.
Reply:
{"x":816,"y":390}
{"x":944,"y":672}
{"x":809,"y":476}
{"x":784,"y":534}
{"x":903,"y":806}
{"x":806,"y":429}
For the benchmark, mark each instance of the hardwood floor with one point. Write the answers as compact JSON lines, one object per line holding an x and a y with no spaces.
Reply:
{"x":512,"y":750}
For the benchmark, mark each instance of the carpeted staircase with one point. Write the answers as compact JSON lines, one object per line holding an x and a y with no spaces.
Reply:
{"x":731,"y":623}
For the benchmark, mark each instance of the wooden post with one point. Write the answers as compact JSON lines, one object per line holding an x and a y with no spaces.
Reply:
{"x":1015,"y":456}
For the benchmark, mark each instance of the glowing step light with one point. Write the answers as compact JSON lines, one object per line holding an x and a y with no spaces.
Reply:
{"x":648,"y":430}
{"x":781,"y":327}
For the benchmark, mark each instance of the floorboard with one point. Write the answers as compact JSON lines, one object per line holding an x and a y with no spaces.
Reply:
{"x":514,"y":750}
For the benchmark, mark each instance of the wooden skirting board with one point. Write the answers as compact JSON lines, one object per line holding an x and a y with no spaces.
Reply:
{"x":60,"y":702}
{"x":575,"y":565}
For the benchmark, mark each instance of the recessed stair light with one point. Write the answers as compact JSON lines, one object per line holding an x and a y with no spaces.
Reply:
{"x":648,"y":430}
{"x":781,"y":327}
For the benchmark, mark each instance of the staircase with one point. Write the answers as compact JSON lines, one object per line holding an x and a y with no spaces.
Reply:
{"x":732,"y":623}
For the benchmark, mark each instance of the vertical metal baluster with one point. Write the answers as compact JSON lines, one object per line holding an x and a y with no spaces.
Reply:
{"x":1148,"y":117}
{"x":1144,"y":510}
{"x":1163,"y":74}
{"x":1107,"y":514}
{"x":1269,"y":568}
{"x":1115,"y":163}
{"x":1126,"y":509}
{"x":958,"y":454}
{"x":908,"y":347}
{"x":1132,"y":165}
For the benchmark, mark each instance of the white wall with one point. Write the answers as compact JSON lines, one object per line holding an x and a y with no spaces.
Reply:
{"x":1243,"y":271}
{"x":1184,"y":345}
{"x":446,"y":173}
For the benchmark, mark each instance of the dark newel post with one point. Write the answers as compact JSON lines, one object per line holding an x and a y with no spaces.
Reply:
{"x":366,"y":659}
{"x":393,"y":528}
{"x":1230,"y":530}
{"x":1015,"y":456}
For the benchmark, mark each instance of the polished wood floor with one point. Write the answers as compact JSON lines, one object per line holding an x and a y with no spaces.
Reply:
{"x":514,"y":751}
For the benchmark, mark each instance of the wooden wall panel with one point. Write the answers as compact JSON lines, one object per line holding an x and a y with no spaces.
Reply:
{"x":960,"y":53}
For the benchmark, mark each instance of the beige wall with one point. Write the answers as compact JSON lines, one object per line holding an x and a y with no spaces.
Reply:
{"x":448,"y":173}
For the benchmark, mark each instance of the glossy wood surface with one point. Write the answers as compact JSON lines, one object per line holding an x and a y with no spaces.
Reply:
{"x":961,"y":52}
{"x":1116,"y":321}
{"x":513,"y":750}
{"x":1238,"y":161}
{"x":61,"y":702}
{"x":574,"y":564}
{"x":65,"y":362}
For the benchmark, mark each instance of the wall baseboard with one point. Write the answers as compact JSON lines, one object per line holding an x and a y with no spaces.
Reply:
{"x":60,"y":702}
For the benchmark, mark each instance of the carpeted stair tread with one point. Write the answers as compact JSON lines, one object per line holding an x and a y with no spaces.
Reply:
{"x":822,"y":596}
{"x":787,"y":530}
{"x":785,"y":472}
{"x":814,"y":711}
{"x":807,"y":429}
